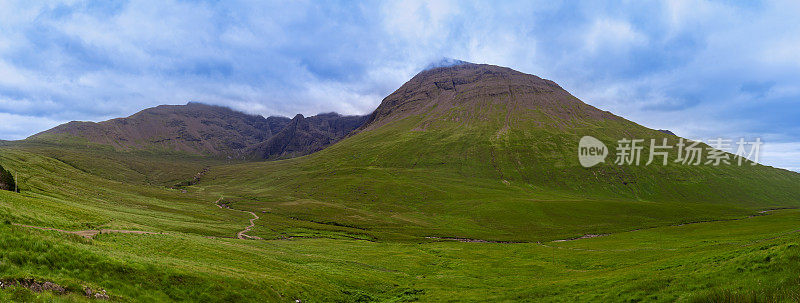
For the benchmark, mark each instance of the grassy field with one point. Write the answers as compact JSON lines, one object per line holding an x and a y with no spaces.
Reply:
{"x":320,"y":260}
{"x":749,"y":260}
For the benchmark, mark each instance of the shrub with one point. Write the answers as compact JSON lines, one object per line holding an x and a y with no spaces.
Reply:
{"x":6,"y":180}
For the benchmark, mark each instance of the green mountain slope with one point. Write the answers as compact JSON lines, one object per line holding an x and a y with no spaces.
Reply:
{"x":486,"y":152}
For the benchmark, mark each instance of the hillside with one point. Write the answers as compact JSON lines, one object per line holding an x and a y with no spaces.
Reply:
{"x":486,"y":152}
{"x":201,"y":129}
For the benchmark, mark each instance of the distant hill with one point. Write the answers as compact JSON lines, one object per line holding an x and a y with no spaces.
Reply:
{"x":198,"y":128}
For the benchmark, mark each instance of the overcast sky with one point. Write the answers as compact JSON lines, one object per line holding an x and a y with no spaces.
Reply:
{"x":704,"y":69}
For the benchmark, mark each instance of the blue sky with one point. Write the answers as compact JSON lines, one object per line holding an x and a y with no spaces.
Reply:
{"x":704,"y":69}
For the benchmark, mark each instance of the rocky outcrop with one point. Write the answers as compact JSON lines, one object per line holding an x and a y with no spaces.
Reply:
{"x":303,"y":135}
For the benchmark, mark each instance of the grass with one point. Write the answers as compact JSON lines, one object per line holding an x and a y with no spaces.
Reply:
{"x":55,"y":194}
{"x":697,"y":262}
{"x":140,"y":167}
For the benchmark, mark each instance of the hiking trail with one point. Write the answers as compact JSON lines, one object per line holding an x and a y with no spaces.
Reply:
{"x":242,"y":234}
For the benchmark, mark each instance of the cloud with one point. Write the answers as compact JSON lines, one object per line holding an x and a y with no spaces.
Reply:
{"x":16,"y":127}
{"x":784,"y":155}
{"x":613,"y":34}
{"x":700,"y":68}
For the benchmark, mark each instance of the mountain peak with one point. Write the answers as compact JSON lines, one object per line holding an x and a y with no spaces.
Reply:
{"x":466,"y":92}
{"x":445,"y":62}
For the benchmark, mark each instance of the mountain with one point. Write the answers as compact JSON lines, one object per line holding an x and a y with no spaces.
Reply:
{"x":469,"y":94}
{"x":487,"y":152}
{"x":303,"y":136}
{"x":445,"y":62}
{"x":194,"y":128}
{"x":198,"y":128}
{"x":499,"y":123}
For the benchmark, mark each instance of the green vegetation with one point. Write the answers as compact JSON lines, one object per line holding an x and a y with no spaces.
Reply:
{"x":151,"y":167}
{"x":7,"y":180}
{"x":451,"y":180}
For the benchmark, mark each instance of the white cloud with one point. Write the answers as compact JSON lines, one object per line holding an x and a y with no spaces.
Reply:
{"x":18,"y":127}
{"x":785,"y":155}
{"x":418,"y":20}
{"x":614,"y":35}
{"x":11,"y":75}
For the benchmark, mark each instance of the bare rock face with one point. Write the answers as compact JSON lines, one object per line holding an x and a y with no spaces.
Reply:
{"x":212,"y":130}
{"x":303,"y":135}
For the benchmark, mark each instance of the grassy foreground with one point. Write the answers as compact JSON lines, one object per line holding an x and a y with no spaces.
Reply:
{"x":754,"y":260}
{"x":195,"y":258}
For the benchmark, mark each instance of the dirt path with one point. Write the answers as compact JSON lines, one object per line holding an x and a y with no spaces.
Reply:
{"x":242,"y":234}
{"x":91,"y":232}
